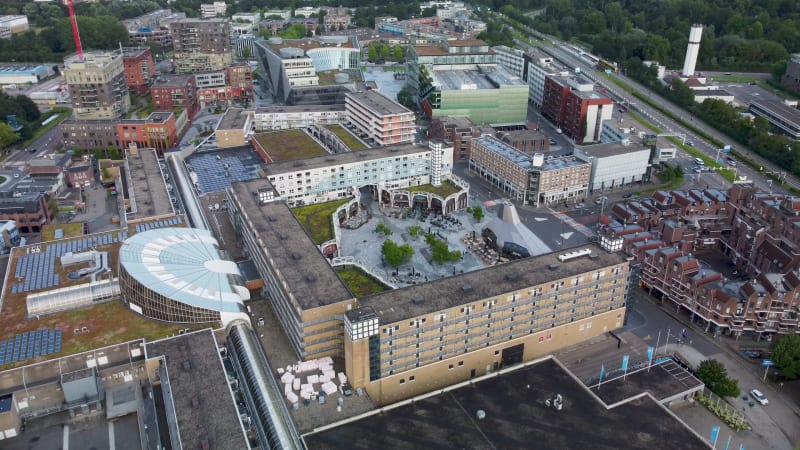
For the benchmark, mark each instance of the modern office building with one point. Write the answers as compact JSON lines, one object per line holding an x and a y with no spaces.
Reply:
{"x":532,"y":179}
{"x":140,"y":70}
{"x":97,"y":85}
{"x":462,"y":79}
{"x":201,"y":45}
{"x":512,"y":59}
{"x":783,"y":118}
{"x":571,"y":104}
{"x":380,"y":119}
{"x":287,"y":117}
{"x":433,"y":332}
{"x":541,"y":66}
{"x":292,"y":67}
{"x":171,"y":92}
{"x":179,"y":275}
{"x":615,"y":164}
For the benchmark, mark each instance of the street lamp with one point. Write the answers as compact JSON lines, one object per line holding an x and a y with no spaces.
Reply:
{"x":602,"y":204}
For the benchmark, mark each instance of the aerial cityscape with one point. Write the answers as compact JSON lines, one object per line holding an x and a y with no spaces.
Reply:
{"x":438,"y":224}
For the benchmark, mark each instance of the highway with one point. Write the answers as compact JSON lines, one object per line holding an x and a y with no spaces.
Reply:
{"x":572,"y":58}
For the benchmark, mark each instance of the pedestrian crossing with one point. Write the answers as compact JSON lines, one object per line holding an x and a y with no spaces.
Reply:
{"x":575,"y":225}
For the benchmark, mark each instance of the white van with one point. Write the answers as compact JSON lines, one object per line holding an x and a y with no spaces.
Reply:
{"x":699,"y":162}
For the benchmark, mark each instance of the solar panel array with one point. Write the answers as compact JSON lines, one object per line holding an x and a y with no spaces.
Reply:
{"x":36,"y":269}
{"x":29,"y":345}
{"x":158,"y":224}
{"x":215,"y":175}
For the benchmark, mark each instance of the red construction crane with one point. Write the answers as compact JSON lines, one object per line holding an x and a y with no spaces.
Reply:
{"x":75,"y":34}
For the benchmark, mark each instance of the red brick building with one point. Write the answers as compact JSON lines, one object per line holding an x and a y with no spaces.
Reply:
{"x":159,"y":130}
{"x":240,"y":79}
{"x":170,"y":92}
{"x":571,"y":103}
{"x":140,"y":69}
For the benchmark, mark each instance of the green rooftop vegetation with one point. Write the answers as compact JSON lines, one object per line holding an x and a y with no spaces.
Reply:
{"x":360,"y":283}
{"x":349,"y":140}
{"x":290,"y":145}
{"x":316,"y":219}
{"x":447,"y":188}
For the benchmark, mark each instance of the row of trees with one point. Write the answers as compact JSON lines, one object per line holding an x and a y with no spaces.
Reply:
{"x":755,"y":134}
{"x":378,"y":51}
{"x":395,"y":254}
{"x":736,"y":37}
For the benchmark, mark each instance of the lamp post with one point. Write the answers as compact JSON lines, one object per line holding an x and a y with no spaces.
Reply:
{"x":602,"y":204}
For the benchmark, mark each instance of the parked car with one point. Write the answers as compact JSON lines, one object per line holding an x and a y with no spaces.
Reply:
{"x":759,"y":397}
{"x":629,"y":195}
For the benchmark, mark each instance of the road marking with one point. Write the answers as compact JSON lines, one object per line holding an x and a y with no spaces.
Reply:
{"x":66,"y":437}
{"x":111,"y":444}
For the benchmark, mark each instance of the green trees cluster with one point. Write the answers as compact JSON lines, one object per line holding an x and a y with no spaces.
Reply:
{"x":496,"y":34}
{"x":379,"y":51}
{"x":785,"y":353}
{"x":714,"y":375}
{"x":737,"y":36}
{"x":27,"y":115}
{"x":440,"y":252}
{"x":396,"y":254}
{"x":383,"y":229}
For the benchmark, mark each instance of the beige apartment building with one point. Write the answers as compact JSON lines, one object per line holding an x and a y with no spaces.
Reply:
{"x":97,"y":85}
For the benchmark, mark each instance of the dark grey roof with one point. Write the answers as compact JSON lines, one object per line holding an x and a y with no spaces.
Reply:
{"x":293,"y":254}
{"x":516,"y":417}
{"x":203,"y":402}
{"x":612,"y":149}
{"x":420,"y":299}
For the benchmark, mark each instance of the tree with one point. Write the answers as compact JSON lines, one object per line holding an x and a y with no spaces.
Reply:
{"x":477,"y":213}
{"x":714,"y":375}
{"x":372,"y":52}
{"x":384,"y":52}
{"x":440,"y":253}
{"x":7,"y":135}
{"x":405,"y":98}
{"x":396,"y":254}
{"x":398,"y":53}
{"x":383,"y":229}
{"x":786,"y":355}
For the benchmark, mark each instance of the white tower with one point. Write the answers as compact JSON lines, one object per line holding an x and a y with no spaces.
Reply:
{"x":692,"y":50}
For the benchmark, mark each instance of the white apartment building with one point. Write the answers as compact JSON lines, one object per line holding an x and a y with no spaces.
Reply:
{"x":244,"y":23}
{"x":211,"y":10}
{"x":512,"y":59}
{"x":540,"y":67}
{"x":288,"y":117}
{"x":12,"y":24}
{"x":284,"y":14}
{"x":379,"y":119}
{"x":328,"y":178}
{"x":306,"y":11}
{"x":615,"y":164}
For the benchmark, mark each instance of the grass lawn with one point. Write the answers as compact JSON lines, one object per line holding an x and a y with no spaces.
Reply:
{"x":733,"y":79}
{"x":2,"y":179}
{"x":360,"y":283}
{"x":108,"y":323}
{"x":447,"y":188}
{"x":70,"y":230}
{"x":349,"y":140}
{"x":316,"y":219}
{"x":290,"y":145}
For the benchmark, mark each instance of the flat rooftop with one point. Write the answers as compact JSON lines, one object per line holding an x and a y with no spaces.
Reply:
{"x":290,"y":145}
{"x":216,"y":170}
{"x":421,"y":299}
{"x":306,"y":272}
{"x":311,"y":43}
{"x":234,"y":119}
{"x":516,"y":416}
{"x":438,"y":50}
{"x":455,"y":80}
{"x":171,"y":81}
{"x":662,"y":381}
{"x":200,"y":393}
{"x":148,"y":189}
{"x":298,"y":108}
{"x":378,"y":103}
{"x":612,"y":149}
{"x":342,"y":158}
{"x":779,"y":110}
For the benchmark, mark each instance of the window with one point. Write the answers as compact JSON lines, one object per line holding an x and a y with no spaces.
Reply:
{"x":402,"y":381}
{"x":460,"y":363}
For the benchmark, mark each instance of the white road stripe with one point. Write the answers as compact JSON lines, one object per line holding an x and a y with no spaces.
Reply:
{"x":66,"y":437}
{"x":111,"y":444}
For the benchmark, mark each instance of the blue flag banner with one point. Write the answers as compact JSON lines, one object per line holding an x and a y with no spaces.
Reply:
{"x":741,"y":446}
{"x":650,"y":351}
{"x":714,"y":434}
{"x":625,"y":363}
{"x":602,"y":371}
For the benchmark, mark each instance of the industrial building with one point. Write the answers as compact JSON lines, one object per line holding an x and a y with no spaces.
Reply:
{"x":615,"y":164}
{"x":782,"y":118}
